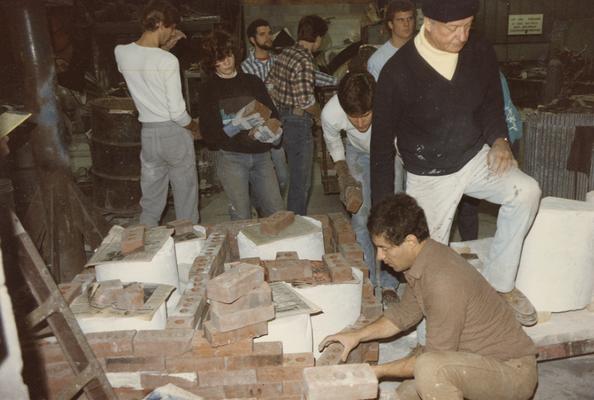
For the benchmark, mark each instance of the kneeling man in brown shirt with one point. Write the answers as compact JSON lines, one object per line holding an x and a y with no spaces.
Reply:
{"x":475,"y":347}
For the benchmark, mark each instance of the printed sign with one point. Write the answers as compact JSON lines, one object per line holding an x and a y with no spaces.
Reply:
{"x":524,"y":24}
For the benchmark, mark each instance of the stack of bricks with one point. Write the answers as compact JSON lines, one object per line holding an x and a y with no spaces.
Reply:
{"x":341,"y":229}
{"x":240,"y":305}
{"x":137,"y":362}
{"x":288,"y":268}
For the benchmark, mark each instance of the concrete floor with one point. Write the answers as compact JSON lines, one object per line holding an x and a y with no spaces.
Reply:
{"x":571,"y":379}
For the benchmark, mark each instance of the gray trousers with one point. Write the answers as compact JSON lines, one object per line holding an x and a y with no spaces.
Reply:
{"x":167,"y":156}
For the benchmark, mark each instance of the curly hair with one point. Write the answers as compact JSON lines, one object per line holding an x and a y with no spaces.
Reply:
{"x":159,"y":11}
{"x":355,"y":92}
{"x":252,"y":28}
{"x":396,"y":217}
{"x":215,"y":47}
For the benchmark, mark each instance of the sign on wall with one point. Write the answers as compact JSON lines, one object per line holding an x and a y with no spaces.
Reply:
{"x":524,"y":24}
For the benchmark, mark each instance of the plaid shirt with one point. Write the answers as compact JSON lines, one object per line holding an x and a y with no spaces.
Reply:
{"x":292,"y":78}
{"x":254,"y":66}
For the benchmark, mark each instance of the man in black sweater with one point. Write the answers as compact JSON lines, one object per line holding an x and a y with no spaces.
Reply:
{"x":440,"y":96}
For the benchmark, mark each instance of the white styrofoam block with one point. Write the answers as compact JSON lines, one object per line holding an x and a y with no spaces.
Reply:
{"x":162,"y":269}
{"x":340,"y":303}
{"x":557,"y":266}
{"x":295,"y":332}
{"x":308,"y":245}
{"x":186,"y":251}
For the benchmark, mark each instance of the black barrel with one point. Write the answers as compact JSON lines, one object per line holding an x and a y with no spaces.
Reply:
{"x":115,"y":151}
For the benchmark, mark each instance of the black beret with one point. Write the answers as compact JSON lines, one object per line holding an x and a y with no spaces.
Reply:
{"x":449,"y":10}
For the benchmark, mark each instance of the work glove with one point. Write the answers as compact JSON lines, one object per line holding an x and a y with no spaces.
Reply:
{"x":269,"y":132}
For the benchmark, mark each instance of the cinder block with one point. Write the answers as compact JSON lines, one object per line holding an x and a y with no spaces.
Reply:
{"x":275,"y":223}
{"x":266,"y":354}
{"x":132,"y":239}
{"x":289,"y":270}
{"x":240,"y":319}
{"x":112,"y":343}
{"x":287,"y":255}
{"x":258,"y":297}
{"x":216,"y":338}
{"x":227,"y":378}
{"x":181,"y":226}
{"x":134,"y":364}
{"x":351,"y":251}
{"x":229,"y":286}
{"x":163,"y":342}
{"x":344,"y":382}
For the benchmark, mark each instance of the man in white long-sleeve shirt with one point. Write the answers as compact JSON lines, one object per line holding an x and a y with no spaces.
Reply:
{"x":350,"y":111}
{"x":153,"y":79}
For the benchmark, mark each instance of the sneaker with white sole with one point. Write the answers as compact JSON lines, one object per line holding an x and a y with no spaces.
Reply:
{"x":523,"y":308}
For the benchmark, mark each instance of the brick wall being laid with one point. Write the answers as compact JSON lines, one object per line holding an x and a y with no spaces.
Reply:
{"x":218,"y":359}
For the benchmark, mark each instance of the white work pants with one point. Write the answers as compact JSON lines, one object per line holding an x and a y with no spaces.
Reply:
{"x":518,"y":194}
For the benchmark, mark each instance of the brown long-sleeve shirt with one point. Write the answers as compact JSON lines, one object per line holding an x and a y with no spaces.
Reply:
{"x":464,"y":313}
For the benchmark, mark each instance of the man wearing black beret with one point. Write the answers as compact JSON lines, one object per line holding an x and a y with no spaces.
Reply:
{"x":440,"y":96}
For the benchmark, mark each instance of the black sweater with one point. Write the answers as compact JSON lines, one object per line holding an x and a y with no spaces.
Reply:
{"x":220,"y":97}
{"x":440,"y":124}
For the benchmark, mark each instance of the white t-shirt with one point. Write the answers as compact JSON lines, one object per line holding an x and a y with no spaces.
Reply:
{"x":379,"y":58}
{"x":152,"y":76}
{"x":334,"y":119}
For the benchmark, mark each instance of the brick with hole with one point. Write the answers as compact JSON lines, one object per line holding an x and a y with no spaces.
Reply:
{"x":340,"y":382}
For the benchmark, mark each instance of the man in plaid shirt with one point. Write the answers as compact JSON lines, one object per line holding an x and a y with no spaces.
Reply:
{"x":291,"y":81}
{"x":259,"y":62}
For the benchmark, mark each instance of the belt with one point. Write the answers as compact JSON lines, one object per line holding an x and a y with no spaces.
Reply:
{"x":293,"y":110}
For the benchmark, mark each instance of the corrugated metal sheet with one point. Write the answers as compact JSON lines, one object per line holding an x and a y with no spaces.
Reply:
{"x":547,"y":142}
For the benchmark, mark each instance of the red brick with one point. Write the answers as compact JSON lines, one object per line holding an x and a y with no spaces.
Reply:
{"x":131,"y":394}
{"x":371,"y":308}
{"x":209,"y":393}
{"x":293,"y":388}
{"x":339,"y":268}
{"x":162,"y":342}
{"x":368,"y":289}
{"x":49,"y":352}
{"x":371,"y":352}
{"x":132,"y":239}
{"x":352,"y":197}
{"x":348,"y":381}
{"x":188,"y":311}
{"x":258,"y":391}
{"x":289,"y":270}
{"x":59,"y":375}
{"x":351,"y":251}
{"x":254,"y":107}
{"x":331,"y":355}
{"x":279,"y":374}
{"x":258,"y":297}
{"x":227,"y":378}
{"x":152,"y":381}
{"x":112,"y":344}
{"x":231,"y":285}
{"x":327,"y":232}
{"x":361,"y":266}
{"x":265,"y":354}
{"x":240,"y":319}
{"x":216,"y":338}
{"x":298,"y":360}
{"x":191,"y":363}
{"x":202,"y":348}
{"x":251,"y":260}
{"x":275,"y":223}
{"x":287,"y":255}
{"x":215,"y":246}
{"x":232,"y":229}
{"x":321,"y":273}
{"x":134,"y":364}
{"x":70,"y":291}
{"x":181,"y":226}
{"x":341,"y":274}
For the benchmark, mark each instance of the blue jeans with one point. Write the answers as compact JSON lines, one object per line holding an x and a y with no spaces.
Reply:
{"x":279,"y":159}
{"x":298,"y":144}
{"x":240,"y":171}
{"x":358,"y":163}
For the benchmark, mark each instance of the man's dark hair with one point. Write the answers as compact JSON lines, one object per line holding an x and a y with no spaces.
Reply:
{"x":397,"y":6}
{"x":396,"y":217}
{"x":252,"y":28}
{"x":355,"y":93}
{"x":310,"y":27}
{"x":159,"y":11}
{"x":216,"y":46}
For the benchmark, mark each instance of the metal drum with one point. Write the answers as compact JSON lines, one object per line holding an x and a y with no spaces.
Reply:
{"x":115,"y":151}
